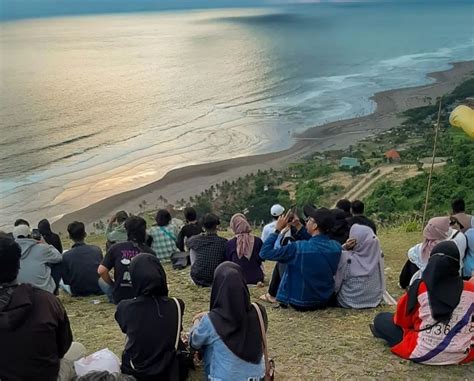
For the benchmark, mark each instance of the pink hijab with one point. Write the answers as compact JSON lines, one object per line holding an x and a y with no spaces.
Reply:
{"x":242,"y":229}
{"x":435,"y":231}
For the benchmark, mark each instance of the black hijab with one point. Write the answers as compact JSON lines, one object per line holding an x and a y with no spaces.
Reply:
{"x":442,"y":280}
{"x":148,"y":276}
{"x":232,"y":315}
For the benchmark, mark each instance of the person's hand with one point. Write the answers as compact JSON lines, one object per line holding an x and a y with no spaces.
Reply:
{"x":349,"y":244}
{"x":296,"y":222}
{"x":199,"y":316}
{"x":282,"y":221}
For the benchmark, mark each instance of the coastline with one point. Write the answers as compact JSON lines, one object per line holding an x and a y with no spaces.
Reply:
{"x":190,"y":180}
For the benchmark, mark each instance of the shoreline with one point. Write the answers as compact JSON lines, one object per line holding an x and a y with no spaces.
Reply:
{"x":191,"y":180}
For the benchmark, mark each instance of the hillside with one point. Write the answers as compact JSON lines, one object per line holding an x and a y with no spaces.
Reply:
{"x":330,"y":344}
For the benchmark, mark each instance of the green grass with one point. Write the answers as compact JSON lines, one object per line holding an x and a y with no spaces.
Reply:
{"x":329,"y":344}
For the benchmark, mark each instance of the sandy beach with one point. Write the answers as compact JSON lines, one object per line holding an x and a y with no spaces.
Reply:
{"x":188,"y":181}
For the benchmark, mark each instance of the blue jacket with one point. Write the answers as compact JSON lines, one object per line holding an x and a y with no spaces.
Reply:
{"x":311,"y":265}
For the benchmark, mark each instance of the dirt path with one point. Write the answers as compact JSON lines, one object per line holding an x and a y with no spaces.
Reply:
{"x":364,"y":186}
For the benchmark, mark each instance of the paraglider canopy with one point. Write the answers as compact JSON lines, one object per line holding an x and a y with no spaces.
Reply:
{"x":463,"y":117}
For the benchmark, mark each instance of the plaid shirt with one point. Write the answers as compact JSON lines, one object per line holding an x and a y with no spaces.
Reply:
{"x":164,"y":241}
{"x":209,"y":249}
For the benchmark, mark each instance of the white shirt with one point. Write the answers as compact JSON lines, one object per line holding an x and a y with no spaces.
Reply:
{"x":267,"y":230}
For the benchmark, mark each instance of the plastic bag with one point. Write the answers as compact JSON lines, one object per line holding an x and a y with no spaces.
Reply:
{"x":100,"y":360}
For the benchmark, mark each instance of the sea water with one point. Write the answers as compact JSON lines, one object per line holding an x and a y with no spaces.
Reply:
{"x":91,"y":106}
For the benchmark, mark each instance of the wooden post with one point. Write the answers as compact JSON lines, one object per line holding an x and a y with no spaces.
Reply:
{"x":428,"y":188}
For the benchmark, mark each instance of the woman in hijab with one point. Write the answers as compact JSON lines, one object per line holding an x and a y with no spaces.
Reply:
{"x":229,"y":335}
{"x":437,"y":230}
{"x":244,"y":248}
{"x":432,"y":324}
{"x":151,"y":324}
{"x":359,"y":278}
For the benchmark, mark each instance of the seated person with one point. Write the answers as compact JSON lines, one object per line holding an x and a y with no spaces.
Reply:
{"x":49,"y":237}
{"x":151,"y":323}
{"x":276,"y":211}
{"x":115,"y":231}
{"x":36,"y":259}
{"x":358,"y":217}
{"x":436,"y":230}
{"x":345,"y":205}
{"x":433,"y":321}
{"x":192,"y":227}
{"x":34,"y":328}
{"x":308,"y":281}
{"x":459,"y":213}
{"x":80,"y":263}
{"x":118,"y":258}
{"x":244,"y":248}
{"x":54,"y":240}
{"x":163,"y":236}
{"x":468,"y":267}
{"x":360,"y":278}
{"x":340,"y":230}
{"x":229,"y":336}
{"x":207,"y":251}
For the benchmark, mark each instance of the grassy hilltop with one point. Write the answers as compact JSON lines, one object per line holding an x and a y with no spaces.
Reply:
{"x":330,"y":344}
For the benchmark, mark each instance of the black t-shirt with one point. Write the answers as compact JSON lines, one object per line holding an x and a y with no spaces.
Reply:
{"x":362,"y":220}
{"x":118,"y":257}
{"x":188,"y":231}
{"x":79,"y":269}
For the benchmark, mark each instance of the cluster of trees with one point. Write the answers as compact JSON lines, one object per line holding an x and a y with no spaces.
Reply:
{"x":455,"y":179}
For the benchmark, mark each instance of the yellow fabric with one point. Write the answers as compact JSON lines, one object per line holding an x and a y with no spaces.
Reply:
{"x":463,"y":117}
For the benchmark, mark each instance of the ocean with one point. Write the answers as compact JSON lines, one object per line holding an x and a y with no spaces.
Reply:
{"x":95,"y":105}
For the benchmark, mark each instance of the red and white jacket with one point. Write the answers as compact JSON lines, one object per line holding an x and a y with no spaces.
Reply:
{"x":436,"y":344}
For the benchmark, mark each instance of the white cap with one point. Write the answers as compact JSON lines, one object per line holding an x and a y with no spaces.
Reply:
{"x":277,"y":210}
{"x":21,"y":230}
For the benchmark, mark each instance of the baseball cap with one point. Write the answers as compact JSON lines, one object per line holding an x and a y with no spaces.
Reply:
{"x":277,"y":210}
{"x":323,"y":217}
{"x":21,"y":231}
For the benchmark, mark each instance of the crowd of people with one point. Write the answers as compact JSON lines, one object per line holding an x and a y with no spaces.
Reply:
{"x":328,"y":258}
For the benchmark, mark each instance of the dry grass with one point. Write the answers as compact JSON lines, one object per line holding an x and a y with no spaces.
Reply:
{"x":330,"y":344}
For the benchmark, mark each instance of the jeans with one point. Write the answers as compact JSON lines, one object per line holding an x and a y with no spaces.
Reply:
{"x":65,"y":287}
{"x":384,"y":328}
{"x":107,"y":289}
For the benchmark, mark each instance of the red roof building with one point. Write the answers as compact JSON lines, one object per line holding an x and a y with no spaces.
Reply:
{"x":392,"y":155}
